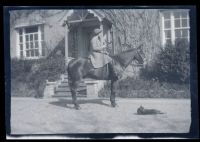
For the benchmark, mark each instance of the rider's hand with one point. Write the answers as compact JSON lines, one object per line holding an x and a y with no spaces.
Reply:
{"x":104,"y":45}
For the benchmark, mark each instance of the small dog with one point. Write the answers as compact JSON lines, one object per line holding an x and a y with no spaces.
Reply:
{"x":142,"y":111}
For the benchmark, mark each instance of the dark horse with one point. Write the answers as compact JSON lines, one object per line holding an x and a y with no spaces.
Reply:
{"x":81,"y":68}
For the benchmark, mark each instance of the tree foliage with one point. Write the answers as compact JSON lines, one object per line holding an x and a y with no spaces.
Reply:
{"x":172,"y":64}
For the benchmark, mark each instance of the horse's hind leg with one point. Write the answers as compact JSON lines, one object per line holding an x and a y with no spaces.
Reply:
{"x":73,"y":87}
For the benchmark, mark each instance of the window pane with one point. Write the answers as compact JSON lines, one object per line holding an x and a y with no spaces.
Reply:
{"x":27,"y":37}
{"x":31,"y":44}
{"x":21,"y":53}
{"x":184,"y":23}
{"x":21,"y":46}
{"x":35,"y":37}
{"x":177,"y":33}
{"x":36,"y":52}
{"x":20,"y":31}
{"x":167,"y":34}
{"x":31,"y":37}
{"x":167,"y":15}
{"x":20,"y":38}
{"x":28,"y":53}
{"x":27,"y":45}
{"x":36,"y":44}
{"x":31,"y":29}
{"x":177,"y":15}
{"x":32,"y":53}
{"x":184,"y":14}
{"x":177,"y":23}
{"x":167,"y":24}
{"x":185,"y":33}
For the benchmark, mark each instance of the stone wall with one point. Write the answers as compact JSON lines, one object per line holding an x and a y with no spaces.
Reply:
{"x":53,"y":29}
{"x":130,"y":26}
{"x":134,"y":27}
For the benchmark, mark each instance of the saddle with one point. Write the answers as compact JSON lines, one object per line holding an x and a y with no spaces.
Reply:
{"x":107,"y":71}
{"x":99,"y":59}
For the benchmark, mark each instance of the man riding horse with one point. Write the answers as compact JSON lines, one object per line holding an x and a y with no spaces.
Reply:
{"x":100,"y":66}
{"x":98,"y":54}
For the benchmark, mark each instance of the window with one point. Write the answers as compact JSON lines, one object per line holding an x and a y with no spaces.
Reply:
{"x":175,"y":26}
{"x":31,"y":42}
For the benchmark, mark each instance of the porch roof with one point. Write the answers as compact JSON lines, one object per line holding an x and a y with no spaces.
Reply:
{"x":97,"y":14}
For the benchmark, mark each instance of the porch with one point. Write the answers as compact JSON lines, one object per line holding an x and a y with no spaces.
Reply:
{"x":79,"y":25}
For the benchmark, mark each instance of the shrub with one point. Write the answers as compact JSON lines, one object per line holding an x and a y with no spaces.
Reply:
{"x":34,"y":73}
{"x":140,"y":88}
{"x":50,"y":69}
{"x":21,"y":68}
{"x":21,"y":89}
{"x":167,"y":77}
{"x":171,"y":64}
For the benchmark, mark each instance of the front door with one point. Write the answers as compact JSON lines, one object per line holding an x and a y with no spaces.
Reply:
{"x":73,"y":45}
{"x":84,"y":43}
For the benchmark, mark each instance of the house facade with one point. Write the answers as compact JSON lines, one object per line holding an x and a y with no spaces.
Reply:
{"x":36,"y":33}
{"x":33,"y":34}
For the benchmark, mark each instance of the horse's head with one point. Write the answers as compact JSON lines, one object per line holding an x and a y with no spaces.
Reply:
{"x":139,"y":56}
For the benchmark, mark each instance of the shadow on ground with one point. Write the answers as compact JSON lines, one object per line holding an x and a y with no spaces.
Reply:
{"x":66,"y":102}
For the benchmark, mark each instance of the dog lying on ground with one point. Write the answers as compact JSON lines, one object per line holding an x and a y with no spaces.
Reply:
{"x":142,"y":111}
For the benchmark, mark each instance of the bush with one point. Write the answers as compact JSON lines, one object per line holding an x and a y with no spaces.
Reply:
{"x":140,"y":88}
{"x":167,"y":77}
{"x":172,"y":64}
{"x":34,"y":73}
{"x":21,"y":68}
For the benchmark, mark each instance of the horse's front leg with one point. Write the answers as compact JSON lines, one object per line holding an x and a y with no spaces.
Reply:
{"x":112,"y":96}
{"x":73,"y":87}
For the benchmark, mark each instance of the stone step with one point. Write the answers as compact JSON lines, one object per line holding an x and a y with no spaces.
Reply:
{"x":63,"y":89}
{"x":65,"y":84}
{"x":68,"y":94}
{"x":63,"y":95}
{"x":67,"y":89}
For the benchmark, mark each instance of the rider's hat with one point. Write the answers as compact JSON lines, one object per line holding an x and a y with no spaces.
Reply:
{"x":96,"y":31}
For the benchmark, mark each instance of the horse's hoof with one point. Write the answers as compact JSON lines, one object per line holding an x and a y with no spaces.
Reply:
{"x":77,"y":107}
{"x":114,"y":105}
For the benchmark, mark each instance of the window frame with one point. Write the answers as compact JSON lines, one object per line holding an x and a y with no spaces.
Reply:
{"x":172,"y":27}
{"x":39,"y":40}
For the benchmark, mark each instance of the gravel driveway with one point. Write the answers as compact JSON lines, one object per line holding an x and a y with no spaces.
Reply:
{"x":53,"y":116}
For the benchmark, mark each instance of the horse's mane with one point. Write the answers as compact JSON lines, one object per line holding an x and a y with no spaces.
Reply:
{"x":124,"y":58}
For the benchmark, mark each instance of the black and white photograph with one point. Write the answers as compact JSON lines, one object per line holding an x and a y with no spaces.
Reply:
{"x":100,"y":70}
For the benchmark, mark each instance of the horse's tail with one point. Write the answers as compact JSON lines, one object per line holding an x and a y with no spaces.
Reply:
{"x":68,"y":69}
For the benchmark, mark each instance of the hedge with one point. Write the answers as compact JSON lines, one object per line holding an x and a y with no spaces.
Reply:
{"x":140,"y":88}
{"x":172,"y":64}
{"x":34,"y":73}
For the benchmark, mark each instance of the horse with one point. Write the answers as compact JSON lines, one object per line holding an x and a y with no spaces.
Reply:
{"x":81,"y":68}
